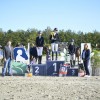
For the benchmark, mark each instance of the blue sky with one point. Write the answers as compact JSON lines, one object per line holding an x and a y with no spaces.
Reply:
{"x":83,"y":15}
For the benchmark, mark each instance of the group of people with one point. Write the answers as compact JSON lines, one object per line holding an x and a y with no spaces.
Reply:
{"x":76,"y":52}
{"x":73,"y":51}
{"x":54,"y":39}
{"x":8,"y":54}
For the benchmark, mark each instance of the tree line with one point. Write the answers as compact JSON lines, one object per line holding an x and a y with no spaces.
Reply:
{"x":29,"y":36}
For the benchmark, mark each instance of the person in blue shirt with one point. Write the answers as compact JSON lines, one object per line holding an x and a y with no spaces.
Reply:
{"x":86,"y":59}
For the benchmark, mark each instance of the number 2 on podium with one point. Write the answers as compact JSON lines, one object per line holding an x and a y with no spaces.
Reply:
{"x":37,"y":70}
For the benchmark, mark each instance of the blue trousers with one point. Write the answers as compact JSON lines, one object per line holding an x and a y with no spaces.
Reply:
{"x":7,"y":65}
{"x":86,"y":64}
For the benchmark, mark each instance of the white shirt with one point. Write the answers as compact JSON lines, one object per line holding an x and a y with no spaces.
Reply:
{"x":84,"y":54}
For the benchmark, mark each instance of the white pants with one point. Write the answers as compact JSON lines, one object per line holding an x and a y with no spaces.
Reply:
{"x":54,"y":47}
{"x":72,"y":57}
{"x":39,"y":51}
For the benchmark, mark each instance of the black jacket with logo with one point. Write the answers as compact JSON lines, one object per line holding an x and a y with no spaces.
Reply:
{"x":71,"y":49}
{"x":39,"y":41}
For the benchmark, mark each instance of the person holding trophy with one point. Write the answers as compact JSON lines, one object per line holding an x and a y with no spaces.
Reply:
{"x":54,"y":39}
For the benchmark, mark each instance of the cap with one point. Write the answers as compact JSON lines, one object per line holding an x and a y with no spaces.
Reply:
{"x":39,"y":32}
{"x":72,"y":40}
{"x":55,"y":29}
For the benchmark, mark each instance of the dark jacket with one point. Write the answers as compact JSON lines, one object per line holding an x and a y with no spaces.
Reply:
{"x":87,"y":54}
{"x":39,"y":41}
{"x":33,"y":51}
{"x":71,"y":49}
{"x":55,"y":38}
{"x":8,"y":52}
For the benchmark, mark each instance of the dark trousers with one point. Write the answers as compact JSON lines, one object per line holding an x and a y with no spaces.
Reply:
{"x":39,"y":59}
{"x":7,"y":64}
{"x":86,"y":64}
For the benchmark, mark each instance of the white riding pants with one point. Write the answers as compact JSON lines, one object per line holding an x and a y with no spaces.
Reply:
{"x":39,"y":51}
{"x":54,"y":47}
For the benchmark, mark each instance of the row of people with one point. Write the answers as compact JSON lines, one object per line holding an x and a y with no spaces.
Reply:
{"x":54,"y":38}
{"x":8,"y":53}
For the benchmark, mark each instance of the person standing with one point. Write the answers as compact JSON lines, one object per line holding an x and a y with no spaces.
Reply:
{"x":86,"y":59}
{"x":54,"y":38}
{"x":1,"y":55}
{"x":39,"y":46}
{"x":33,"y":52}
{"x":8,"y":57}
{"x":72,"y":50}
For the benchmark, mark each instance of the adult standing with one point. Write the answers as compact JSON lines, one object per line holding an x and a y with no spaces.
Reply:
{"x":39,"y":46}
{"x":72,"y":50}
{"x":54,"y":38}
{"x":1,"y":55}
{"x":86,"y":58}
{"x":8,"y":56}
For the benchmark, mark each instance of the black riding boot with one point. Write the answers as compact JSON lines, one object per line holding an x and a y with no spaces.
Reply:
{"x":71,"y":63}
{"x":56,"y":55}
{"x":52,"y":55}
{"x":39,"y":59}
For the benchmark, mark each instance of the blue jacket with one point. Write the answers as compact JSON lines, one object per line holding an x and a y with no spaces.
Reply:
{"x":87,"y":54}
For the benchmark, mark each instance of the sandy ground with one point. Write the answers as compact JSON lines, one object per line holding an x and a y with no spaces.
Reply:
{"x":49,"y":88}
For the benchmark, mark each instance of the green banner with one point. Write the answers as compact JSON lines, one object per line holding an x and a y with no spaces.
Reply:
{"x":18,"y":68}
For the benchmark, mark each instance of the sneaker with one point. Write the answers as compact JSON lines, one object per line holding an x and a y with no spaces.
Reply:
{"x":10,"y":74}
{"x":3,"y":75}
{"x":87,"y":76}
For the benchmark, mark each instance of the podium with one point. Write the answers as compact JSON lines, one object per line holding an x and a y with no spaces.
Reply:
{"x":72,"y":72}
{"x":39,"y":69}
{"x":66,"y":70}
{"x":53,"y":67}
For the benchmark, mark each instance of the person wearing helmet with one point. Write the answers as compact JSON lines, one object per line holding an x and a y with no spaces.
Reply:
{"x":39,"y":46}
{"x":72,"y":50}
{"x":54,"y":38}
{"x":72,"y":40}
